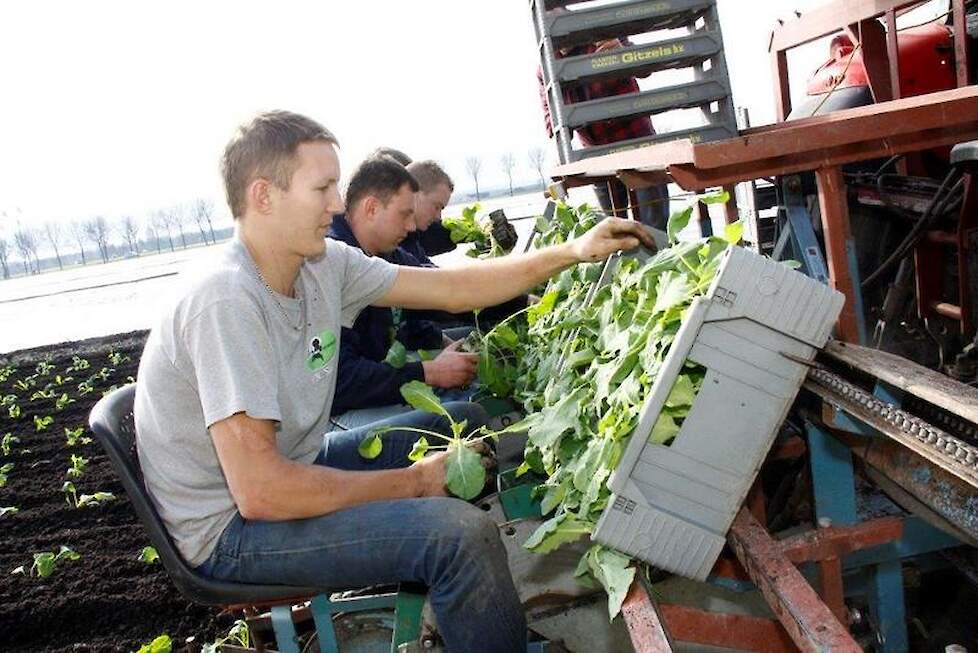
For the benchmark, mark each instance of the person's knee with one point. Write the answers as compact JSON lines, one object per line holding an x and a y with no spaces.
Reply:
{"x":472,"y":532}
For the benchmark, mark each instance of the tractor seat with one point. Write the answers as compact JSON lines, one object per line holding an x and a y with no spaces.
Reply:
{"x":965,"y":156}
{"x":112,"y":421}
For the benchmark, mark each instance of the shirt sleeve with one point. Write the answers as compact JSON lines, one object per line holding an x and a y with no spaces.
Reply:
{"x":365,"y":279}
{"x":231,"y":354}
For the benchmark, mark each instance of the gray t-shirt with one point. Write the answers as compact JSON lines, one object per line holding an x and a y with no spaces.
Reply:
{"x":224,"y":346}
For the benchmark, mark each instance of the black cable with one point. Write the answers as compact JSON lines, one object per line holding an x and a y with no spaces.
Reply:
{"x":938,"y":206}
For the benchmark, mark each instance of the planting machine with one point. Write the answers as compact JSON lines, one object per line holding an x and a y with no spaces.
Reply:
{"x":869,"y":187}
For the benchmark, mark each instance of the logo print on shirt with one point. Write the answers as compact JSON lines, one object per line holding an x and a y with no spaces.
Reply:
{"x":322,"y":348}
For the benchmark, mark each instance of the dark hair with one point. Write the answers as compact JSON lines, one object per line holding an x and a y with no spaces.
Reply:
{"x":381,"y":177}
{"x":265,"y":148}
{"x":390,"y":152}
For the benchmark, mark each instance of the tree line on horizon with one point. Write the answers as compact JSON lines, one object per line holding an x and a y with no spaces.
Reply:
{"x":126,"y":236}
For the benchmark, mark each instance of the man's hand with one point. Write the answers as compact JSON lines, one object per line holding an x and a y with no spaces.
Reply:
{"x":451,"y":368}
{"x":609,"y":236}
{"x":431,"y":475}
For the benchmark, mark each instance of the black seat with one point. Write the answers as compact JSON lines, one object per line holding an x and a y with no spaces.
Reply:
{"x":965,"y":156}
{"x":112,"y":421}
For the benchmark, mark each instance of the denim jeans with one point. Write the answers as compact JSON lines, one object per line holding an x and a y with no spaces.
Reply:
{"x":450,"y":546}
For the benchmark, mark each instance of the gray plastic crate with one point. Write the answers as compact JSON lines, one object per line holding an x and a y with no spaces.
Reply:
{"x":623,"y":18}
{"x":672,"y":505}
{"x":638,"y":60}
{"x":696,"y":135}
{"x":680,"y":96}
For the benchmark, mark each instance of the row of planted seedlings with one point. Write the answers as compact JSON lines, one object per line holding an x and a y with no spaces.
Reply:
{"x":39,"y":400}
{"x":580,"y":362}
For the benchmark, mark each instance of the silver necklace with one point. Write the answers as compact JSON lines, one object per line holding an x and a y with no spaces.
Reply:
{"x":271,"y":293}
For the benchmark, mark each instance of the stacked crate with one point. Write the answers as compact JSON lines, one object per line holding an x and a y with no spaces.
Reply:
{"x":699,"y":48}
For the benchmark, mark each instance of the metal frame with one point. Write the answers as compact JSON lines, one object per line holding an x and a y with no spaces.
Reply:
{"x":823,"y":144}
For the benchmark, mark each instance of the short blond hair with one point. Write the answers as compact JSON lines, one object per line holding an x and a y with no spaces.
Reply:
{"x":265,"y":148}
{"x":429,"y":175}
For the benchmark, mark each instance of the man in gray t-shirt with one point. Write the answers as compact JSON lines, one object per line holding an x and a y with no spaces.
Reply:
{"x":237,"y":379}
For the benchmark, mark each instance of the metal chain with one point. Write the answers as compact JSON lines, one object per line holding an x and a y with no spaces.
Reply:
{"x":271,"y":293}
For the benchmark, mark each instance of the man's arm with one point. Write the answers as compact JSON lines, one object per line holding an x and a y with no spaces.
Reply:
{"x":486,"y":283}
{"x":268,"y":486}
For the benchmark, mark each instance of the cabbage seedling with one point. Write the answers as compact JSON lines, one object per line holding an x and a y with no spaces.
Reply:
{"x":160,"y":644}
{"x":41,"y":423}
{"x":149,"y":555}
{"x":5,"y":470}
{"x":8,"y":510}
{"x":117,"y":358}
{"x":74,"y":436}
{"x":78,"y":364}
{"x":14,"y":411}
{"x":63,"y":401}
{"x":78,"y":465}
{"x":6,"y":444}
{"x":5,"y":372}
{"x":44,"y":367}
{"x":43,"y":394}
{"x":46,"y":562}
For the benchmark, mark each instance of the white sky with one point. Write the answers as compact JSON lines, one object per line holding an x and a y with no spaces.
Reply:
{"x":124,"y":107}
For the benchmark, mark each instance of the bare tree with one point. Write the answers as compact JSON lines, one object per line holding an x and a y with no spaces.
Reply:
{"x":474,"y":165}
{"x":129,"y":230}
{"x":538,"y":158}
{"x":507,"y":162}
{"x":203,"y":213}
{"x":4,"y":256}
{"x":152,"y":228}
{"x":55,"y":234}
{"x":25,"y":240}
{"x":161,"y":220}
{"x":97,"y":231}
{"x":178,"y":217}
{"x":78,"y":231}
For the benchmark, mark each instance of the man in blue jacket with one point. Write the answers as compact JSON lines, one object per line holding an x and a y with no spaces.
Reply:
{"x":380,"y":204}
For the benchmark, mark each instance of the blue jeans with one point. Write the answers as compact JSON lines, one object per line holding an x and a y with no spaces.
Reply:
{"x":450,"y":546}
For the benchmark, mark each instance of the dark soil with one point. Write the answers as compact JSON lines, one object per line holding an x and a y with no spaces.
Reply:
{"x":108,"y":600}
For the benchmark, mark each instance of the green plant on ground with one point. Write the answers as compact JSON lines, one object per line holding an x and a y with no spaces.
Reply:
{"x":86,"y":387}
{"x":8,"y":510}
{"x":149,"y":555}
{"x":42,"y":423}
{"x":43,"y":394}
{"x":6,"y":444}
{"x":76,"y":435}
{"x":237,"y":635}
{"x":44,"y":367}
{"x":26,"y":383}
{"x":464,"y":474}
{"x":8,"y":400}
{"x":117,"y":358}
{"x":160,"y":644}
{"x":78,"y":465}
{"x":75,"y":500}
{"x":78,"y":364}
{"x":14,"y":411}
{"x":61,"y":380}
{"x":5,"y":470}
{"x":63,"y":402}
{"x":5,"y":372}
{"x":103,"y":373}
{"x":46,"y":562}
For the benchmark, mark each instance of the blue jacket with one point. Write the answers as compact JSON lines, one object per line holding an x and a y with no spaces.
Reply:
{"x":434,"y":240}
{"x":363,"y":380}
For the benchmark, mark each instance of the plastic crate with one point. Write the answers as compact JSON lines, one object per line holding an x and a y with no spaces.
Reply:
{"x":672,"y":505}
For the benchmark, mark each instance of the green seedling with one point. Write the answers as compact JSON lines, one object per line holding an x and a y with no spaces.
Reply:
{"x":63,"y":402}
{"x":117,"y":358}
{"x":26,"y":383}
{"x":61,"y":380}
{"x":465,"y":476}
{"x":6,"y":444}
{"x":103,"y":373}
{"x":43,"y":394}
{"x":44,"y":367}
{"x":14,"y":411}
{"x":94,"y":500}
{"x":8,"y":510}
{"x":5,"y":470}
{"x":8,"y":400}
{"x":238,"y":636}
{"x":78,"y":364}
{"x":76,"y":436}
{"x":160,"y":644}
{"x":78,"y":465}
{"x":149,"y":555}
{"x":86,"y":387}
{"x":5,"y":372}
{"x":45,"y":563}
{"x":41,"y":423}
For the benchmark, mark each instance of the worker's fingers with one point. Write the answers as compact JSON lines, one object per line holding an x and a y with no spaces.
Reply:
{"x":454,"y":346}
{"x":623,"y":228}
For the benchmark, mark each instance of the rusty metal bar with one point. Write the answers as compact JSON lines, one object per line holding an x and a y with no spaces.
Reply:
{"x":838,"y":541}
{"x":782,"y":85}
{"x":942,"y":237}
{"x":829,"y":19}
{"x":830,"y":573}
{"x":873,"y":41}
{"x":730,"y":212}
{"x":644,"y":625}
{"x":961,"y":63}
{"x":734,"y":631}
{"x":838,"y":241}
{"x":893,"y":54}
{"x":804,"y":616}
